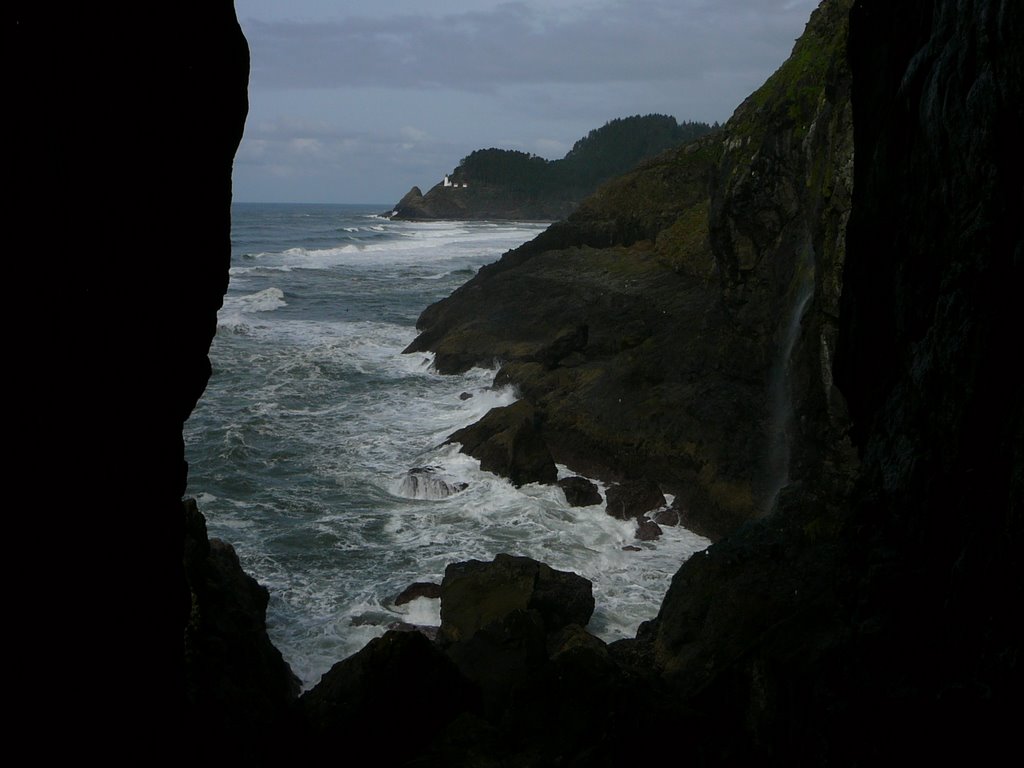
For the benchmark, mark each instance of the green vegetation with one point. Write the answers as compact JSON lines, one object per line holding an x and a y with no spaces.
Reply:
{"x":601,"y":155}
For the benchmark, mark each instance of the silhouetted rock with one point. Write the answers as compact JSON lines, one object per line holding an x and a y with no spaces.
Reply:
{"x":429,"y":483}
{"x":236,"y":682}
{"x":400,"y":684}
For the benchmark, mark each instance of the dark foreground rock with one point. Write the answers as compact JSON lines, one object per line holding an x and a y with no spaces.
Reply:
{"x":475,"y":594}
{"x":394,"y":696}
{"x":237,"y":685}
{"x":514,"y":679}
{"x":833,"y":627}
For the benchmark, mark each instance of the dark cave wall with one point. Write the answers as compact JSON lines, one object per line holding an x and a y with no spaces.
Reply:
{"x":882,"y":625}
{"x":929,"y":348}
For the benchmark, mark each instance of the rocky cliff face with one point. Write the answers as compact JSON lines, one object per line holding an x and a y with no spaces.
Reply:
{"x":878,"y":629}
{"x":703,"y":292}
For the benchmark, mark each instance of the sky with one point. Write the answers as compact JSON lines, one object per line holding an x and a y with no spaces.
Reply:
{"x":357,"y":101}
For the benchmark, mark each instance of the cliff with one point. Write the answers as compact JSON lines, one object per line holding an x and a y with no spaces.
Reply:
{"x":707,"y":281}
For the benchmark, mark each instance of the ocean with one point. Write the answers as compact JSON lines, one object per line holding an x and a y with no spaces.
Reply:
{"x":300,"y":449}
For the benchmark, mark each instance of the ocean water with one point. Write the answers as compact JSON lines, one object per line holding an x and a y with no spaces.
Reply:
{"x":301,"y":446}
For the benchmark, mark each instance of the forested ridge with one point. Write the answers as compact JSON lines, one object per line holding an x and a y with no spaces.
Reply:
{"x":508,"y":183}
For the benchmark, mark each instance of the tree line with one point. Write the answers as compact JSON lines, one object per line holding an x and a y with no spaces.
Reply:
{"x":602,"y":154}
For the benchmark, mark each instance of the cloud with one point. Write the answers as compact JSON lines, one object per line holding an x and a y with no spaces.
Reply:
{"x":521,"y":44}
{"x":364,"y":102}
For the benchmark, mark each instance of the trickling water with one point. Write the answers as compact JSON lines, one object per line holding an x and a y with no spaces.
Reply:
{"x":780,"y":386}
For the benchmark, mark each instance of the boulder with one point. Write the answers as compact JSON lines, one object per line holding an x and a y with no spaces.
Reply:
{"x":668,"y":516}
{"x":633,"y":498}
{"x":507,"y":443}
{"x":579,"y":492}
{"x":477,"y":594}
{"x":647,"y":530}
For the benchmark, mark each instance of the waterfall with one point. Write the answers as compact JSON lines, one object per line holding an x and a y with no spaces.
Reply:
{"x":780,"y":387}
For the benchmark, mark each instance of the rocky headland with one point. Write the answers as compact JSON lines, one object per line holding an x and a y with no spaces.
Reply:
{"x":810,"y":319}
{"x":512,"y":185}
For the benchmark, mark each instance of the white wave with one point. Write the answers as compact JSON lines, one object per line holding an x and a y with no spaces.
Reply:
{"x":405,"y":244}
{"x":236,"y":314}
{"x":266,"y":300}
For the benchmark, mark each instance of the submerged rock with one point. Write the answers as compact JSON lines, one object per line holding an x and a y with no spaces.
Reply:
{"x":429,"y":483}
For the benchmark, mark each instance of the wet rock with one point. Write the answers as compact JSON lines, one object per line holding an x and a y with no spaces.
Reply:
{"x":429,"y":483}
{"x":669,"y":516}
{"x":507,"y":443}
{"x":633,"y":498}
{"x":465,"y":396}
{"x":579,"y":492}
{"x":426,"y":589}
{"x":647,"y":530}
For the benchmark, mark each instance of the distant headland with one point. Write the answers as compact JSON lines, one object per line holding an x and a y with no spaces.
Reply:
{"x":508,"y":184}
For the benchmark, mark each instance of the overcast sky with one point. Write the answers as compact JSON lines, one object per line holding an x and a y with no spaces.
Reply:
{"x":356,"y":101}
